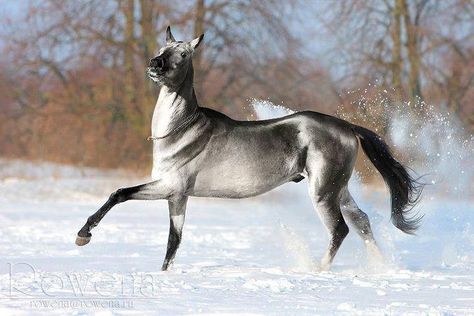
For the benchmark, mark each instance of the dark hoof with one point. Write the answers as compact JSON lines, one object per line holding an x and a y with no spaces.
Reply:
{"x":166,"y":265}
{"x":81,"y":241}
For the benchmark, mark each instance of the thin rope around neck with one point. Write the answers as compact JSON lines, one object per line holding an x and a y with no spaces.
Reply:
{"x":181,"y":126}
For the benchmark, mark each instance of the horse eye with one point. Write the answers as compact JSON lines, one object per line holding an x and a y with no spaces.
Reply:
{"x":183,"y":55}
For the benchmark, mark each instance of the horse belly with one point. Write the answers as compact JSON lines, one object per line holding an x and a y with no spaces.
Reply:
{"x":241,"y":176}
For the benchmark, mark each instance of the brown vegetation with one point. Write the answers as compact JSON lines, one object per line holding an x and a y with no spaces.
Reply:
{"x":73,"y":86}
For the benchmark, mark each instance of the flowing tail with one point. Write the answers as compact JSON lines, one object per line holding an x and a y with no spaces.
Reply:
{"x":405,"y":191}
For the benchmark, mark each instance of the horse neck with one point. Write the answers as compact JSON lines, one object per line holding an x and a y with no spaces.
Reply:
{"x":174,"y":106}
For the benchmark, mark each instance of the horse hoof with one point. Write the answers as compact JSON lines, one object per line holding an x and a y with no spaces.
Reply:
{"x":81,"y":241}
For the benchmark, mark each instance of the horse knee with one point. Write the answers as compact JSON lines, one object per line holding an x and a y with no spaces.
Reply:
{"x":118,"y":196}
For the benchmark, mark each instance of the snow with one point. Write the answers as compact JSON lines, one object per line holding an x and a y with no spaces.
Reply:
{"x":254,"y":256}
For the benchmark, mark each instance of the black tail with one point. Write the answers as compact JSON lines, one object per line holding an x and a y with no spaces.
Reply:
{"x":404,"y":190}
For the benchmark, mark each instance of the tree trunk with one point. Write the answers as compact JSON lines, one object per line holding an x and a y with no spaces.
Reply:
{"x":148,"y":32}
{"x":413,"y":54}
{"x":397,"y":64}
{"x":148,"y":41}
{"x":128,"y":62}
{"x":198,"y":30}
{"x":133,"y":99}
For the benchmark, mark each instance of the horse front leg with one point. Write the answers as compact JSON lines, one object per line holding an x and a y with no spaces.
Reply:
{"x":177,"y":210}
{"x":149,"y":191}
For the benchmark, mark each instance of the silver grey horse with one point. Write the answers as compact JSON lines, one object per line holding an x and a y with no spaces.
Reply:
{"x":201,"y":152}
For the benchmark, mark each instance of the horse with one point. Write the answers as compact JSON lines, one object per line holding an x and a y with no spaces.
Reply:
{"x":200,"y":152}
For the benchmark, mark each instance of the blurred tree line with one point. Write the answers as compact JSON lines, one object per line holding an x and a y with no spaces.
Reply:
{"x":73,"y":87}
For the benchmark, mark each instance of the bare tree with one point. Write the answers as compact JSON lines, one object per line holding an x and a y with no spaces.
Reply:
{"x":82,"y":63}
{"x":402,"y":43}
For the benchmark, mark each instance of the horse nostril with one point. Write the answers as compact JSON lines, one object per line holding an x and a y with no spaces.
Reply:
{"x":160,"y":63}
{"x":157,"y":62}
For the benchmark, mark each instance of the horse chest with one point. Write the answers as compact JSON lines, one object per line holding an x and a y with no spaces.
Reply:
{"x":164,"y":163}
{"x":177,"y":159}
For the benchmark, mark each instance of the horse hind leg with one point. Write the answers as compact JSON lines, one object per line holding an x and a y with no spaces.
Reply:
{"x":327,"y":178}
{"x":328,"y":208}
{"x":360,"y":222}
{"x":337,"y":230}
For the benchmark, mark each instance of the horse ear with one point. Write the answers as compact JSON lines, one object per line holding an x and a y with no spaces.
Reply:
{"x":169,"y":37}
{"x":195,"y":42}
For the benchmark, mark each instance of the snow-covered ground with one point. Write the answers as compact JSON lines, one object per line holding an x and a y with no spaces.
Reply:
{"x":254,"y":256}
